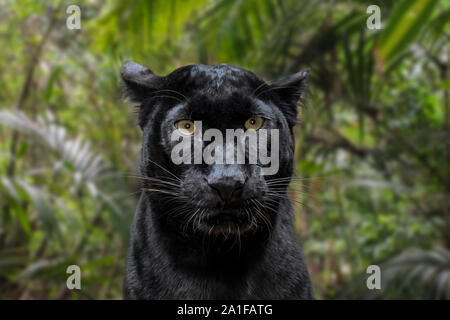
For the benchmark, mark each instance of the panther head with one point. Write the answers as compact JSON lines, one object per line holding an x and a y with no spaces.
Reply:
{"x":215,"y":198}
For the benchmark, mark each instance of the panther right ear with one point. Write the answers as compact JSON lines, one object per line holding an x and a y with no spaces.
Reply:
{"x":139,"y":81}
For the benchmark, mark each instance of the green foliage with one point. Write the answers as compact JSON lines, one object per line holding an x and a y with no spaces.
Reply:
{"x":71,"y":208}
{"x":413,"y":274}
{"x":372,"y":146}
{"x":405,"y":24}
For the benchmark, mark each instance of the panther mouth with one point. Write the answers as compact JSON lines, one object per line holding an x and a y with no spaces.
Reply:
{"x":227,"y":218}
{"x":226,"y":222}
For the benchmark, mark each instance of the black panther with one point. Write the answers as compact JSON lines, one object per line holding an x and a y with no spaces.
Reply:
{"x":213,"y":231}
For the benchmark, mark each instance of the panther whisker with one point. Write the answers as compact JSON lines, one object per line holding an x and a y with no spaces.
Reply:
{"x":271,"y":88}
{"x":262,"y":215}
{"x":191,"y":216}
{"x":164,"y":184}
{"x":166,"y":96}
{"x":179,"y":210}
{"x":198,"y":219}
{"x":264,"y":205}
{"x":173,"y":175}
{"x":286,"y":188}
{"x":174,"y":91}
{"x":285,"y":197}
{"x":157,"y":180}
{"x":301,"y":204}
{"x":162,"y":191}
{"x":295,"y":179}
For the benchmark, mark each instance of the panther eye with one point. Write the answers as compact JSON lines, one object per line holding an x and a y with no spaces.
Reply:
{"x":254,"y":123}
{"x":186,"y":127}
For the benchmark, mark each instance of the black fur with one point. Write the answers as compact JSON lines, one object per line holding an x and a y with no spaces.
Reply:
{"x":179,"y":247}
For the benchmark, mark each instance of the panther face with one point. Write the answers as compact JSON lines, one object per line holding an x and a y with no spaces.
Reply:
{"x":221,"y":197}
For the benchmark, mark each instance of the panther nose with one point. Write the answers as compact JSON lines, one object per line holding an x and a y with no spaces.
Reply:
{"x":227,"y":190}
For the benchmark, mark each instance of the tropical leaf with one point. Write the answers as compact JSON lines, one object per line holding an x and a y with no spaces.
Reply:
{"x":76,"y":155}
{"x":405,"y":25}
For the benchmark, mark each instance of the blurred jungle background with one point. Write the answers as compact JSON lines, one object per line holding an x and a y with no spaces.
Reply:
{"x":373,"y":144}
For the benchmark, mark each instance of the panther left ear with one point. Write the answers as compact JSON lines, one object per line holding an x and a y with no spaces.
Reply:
{"x":139,"y":81}
{"x":289,"y":92}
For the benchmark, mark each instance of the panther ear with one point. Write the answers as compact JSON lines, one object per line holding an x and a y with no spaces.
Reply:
{"x":290,"y":91}
{"x":139,"y":81}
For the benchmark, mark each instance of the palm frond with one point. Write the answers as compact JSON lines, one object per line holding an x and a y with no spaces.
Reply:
{"x":87,"y":165}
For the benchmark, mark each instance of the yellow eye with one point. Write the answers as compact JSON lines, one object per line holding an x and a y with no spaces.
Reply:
{"x":254,"y":123}
{"x":185,"y":127}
